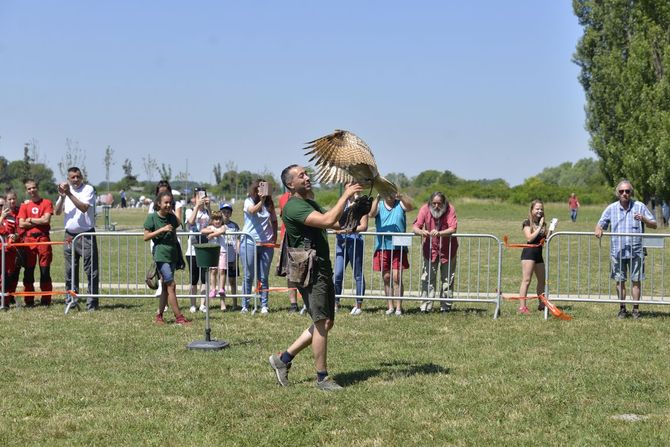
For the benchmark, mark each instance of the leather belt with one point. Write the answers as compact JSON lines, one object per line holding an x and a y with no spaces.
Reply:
{"x":92,"y":230}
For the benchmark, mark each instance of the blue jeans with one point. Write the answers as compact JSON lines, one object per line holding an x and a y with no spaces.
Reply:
{"x":573,"y":214}
{"x":263,"y":260}
{"x":166,"y":270}
{"x":85,"y":247}
{"x":349,"y":250}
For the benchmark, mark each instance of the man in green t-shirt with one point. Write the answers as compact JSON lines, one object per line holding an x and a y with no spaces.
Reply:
{"x":302,"y":217}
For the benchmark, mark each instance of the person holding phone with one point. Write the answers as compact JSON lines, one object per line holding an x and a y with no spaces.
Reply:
{"x":260,"y":221}
{"x":535,"y":231}
{"x":197,"y":219}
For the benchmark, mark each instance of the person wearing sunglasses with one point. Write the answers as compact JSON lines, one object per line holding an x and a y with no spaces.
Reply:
{"x":626,"y":215}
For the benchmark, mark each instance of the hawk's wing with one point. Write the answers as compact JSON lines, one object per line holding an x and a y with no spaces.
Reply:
{"x":336,"y":154}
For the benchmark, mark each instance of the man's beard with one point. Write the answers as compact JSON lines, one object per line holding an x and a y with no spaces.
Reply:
{"x":438,"y":214}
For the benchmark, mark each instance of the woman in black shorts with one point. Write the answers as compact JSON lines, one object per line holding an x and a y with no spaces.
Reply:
{"x":534,"y":231}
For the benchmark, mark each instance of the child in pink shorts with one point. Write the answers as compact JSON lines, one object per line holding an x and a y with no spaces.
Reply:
{"x":227,"y":268}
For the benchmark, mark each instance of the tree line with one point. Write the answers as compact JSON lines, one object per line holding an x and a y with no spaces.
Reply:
{"x":553,"y":184}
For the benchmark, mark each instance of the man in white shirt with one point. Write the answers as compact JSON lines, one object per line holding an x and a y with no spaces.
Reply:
{"x":77,"y":202}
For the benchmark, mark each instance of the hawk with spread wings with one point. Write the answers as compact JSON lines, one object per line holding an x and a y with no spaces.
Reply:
{"x":342,"y":157}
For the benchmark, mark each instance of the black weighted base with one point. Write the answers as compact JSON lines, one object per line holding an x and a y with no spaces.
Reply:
{"x":208,"y":345}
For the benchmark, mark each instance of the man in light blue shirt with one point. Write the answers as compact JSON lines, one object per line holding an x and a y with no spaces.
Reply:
{"x":626,"y":253}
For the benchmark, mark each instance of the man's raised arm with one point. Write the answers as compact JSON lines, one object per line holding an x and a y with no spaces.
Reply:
{"x":332,"y":216}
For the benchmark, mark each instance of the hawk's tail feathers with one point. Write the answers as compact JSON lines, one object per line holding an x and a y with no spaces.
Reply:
{"x":384,"y":186}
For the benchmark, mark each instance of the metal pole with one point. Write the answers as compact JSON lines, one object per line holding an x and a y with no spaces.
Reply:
{"x":207,"y":344}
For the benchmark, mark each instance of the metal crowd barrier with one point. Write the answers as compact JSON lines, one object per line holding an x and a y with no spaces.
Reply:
{"x":476,"y":279}
{"x":578,"y":267}
{"x":123,"y":259}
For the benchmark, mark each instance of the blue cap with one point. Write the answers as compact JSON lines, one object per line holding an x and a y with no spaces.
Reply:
{"x":226,"y":205}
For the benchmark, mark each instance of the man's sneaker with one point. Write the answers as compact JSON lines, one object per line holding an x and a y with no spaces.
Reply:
{"x":445,"y":307}
{"x":423,"y":306}
{"x":203,"y":308}
{"x":303,"y":310}
{"x":356,"y":311}
{"x":212,"y":293}
{"x":244,"y":310}
{"x":193,"y":309}
{"x":328,"y":384}
{"x":389,"y":312}
{"x":182,"y":321}
{"x":265,"y":310}
{"x":622,"y":314}
{"x":281,"y":369}
{"x":635,"y":314}
{"x":159,"y":319}
{"x":398,"y":312}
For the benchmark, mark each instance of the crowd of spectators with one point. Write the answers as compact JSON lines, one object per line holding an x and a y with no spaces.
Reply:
{"x":250,"y":255}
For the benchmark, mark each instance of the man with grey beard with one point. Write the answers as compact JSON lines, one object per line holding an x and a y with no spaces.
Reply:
{"x":437,"y":222}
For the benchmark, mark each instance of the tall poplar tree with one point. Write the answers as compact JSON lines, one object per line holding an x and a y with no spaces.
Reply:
{"x":624,"y":56}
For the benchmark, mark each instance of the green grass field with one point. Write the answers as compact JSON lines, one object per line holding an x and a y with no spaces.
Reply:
{"x":462,"y":378}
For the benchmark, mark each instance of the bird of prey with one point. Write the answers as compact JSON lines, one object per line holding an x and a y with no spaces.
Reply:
{"x":342,"y":157}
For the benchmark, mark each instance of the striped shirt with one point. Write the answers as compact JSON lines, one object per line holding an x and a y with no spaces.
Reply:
{"x":623,"y":221}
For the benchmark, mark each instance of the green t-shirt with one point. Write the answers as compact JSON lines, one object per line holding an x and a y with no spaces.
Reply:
{"x":294,"y":214}
{"x":166,"y":248}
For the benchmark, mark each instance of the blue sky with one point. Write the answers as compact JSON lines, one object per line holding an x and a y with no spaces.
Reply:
{"x":485,"y":89}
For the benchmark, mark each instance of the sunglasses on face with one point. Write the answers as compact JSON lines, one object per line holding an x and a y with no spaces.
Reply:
{"x":624,"y":191}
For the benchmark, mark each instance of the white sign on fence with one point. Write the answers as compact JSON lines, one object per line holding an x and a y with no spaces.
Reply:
{"x":402,"y":241}
{"x":653,"y":242}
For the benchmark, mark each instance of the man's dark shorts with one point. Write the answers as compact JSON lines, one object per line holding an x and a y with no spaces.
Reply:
{"x":320,"y":298}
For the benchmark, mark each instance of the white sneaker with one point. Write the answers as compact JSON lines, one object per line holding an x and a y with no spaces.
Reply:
{"x":166,"y":308}
{"x":265,"y":310}
{"x":389,"y":312}
{"x":193,"y":309}
{"x":423,"y":306}
{"x":356,"y":311}
{"x":244,"y":310}
{"x":203,"y":308}
{"x":398,"y":312}
{"x":303,"y":310}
